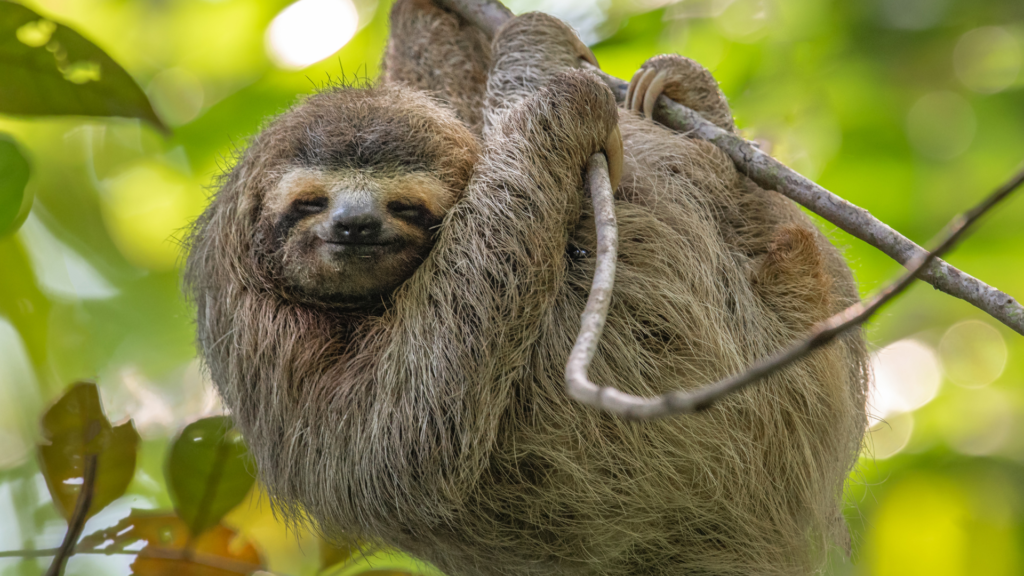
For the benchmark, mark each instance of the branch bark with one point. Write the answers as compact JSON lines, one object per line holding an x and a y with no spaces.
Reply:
{"x":630,"y":406}
{"x":771,"y":174}
{"x":205,"y":560}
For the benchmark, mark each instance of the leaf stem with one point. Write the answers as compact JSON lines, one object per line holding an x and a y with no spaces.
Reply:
{"x":78,"y":518}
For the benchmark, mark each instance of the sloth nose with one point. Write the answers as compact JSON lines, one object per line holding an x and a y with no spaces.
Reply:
{"x":357,"y":223}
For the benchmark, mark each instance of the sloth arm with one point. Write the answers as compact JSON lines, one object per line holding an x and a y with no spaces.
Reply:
{"x":437,"y":51}
{"x":528,"y":51}
{"x":459,"y":336}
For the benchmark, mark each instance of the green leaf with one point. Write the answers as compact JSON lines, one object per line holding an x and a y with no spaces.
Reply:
{"x":49,"y":69}
{"x":208,"y":472}
{"x":73,"y":428}
{"x":14,"y":173}
{"x":381,"y":562}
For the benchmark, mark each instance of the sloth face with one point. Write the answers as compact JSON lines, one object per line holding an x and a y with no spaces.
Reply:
{"x":347,"y":237}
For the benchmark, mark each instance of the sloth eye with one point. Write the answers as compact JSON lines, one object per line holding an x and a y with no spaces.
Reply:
{"x":406,"y":210}
{"x":309,"y":206}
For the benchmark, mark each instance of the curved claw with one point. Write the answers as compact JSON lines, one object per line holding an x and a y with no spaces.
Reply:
{"x":613,"y":153}
{"x":654,"y":90}
{"x":641,"y":89}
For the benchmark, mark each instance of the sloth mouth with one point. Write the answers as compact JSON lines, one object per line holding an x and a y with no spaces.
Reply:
{"x":344,"y":243}
{"x":342,"y":249}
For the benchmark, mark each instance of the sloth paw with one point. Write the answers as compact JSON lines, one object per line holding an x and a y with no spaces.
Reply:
{"x":682,"y":80}
{"x":582,"y":108}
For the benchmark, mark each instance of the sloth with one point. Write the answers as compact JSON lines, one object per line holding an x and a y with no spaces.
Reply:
{"x":389,"y":281}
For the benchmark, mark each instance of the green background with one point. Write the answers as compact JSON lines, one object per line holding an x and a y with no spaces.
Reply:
{"x":912,"y":109}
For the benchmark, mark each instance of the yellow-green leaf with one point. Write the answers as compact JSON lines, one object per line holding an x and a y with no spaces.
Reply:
{"x":49,"y":69}
{"x":208,"y":472}
{"x":14,"y":171}
{"x":382,"y":562}
{"x":74,"y":428}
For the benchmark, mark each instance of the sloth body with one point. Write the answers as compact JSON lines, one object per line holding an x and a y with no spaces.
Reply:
{"x":419,"y":401}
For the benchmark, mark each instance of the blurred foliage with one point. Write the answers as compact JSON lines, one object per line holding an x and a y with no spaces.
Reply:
{"x":913,"y":109}
{"x":50,"y":69}
{"x":13,"y":202}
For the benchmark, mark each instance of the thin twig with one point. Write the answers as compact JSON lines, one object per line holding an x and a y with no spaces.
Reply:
{"x":77,"y":521}
{"x":207,"y":560}
{"x":771,"y":174}
{"x":683,"y":402}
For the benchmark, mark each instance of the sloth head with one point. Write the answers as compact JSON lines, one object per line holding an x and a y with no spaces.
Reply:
{"x":336,"y":201}
{"x":349,"y":235}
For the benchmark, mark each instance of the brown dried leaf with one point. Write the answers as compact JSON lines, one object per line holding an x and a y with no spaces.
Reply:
{"x":218,"y":551}
{"x":73,"y":428}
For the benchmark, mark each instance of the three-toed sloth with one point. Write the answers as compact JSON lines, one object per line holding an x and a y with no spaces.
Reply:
{"x":390,"y":279}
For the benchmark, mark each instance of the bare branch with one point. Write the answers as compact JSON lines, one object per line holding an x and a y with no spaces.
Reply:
{"x":182,"y":555}
{"x":487,"y":15}
{"x":77,"y":521}
{"x":683,"y":402}
{"x":577,"y":384}
{"x":771,"y":174}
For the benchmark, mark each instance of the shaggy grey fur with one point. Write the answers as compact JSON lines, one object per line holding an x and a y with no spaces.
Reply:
{"x":439,"y":425}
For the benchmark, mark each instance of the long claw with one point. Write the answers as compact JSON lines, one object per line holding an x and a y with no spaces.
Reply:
{"x":628,"y":102}
{"x":641,"y":89}
{"x":613,"y":153}
{"x":653,"y":91}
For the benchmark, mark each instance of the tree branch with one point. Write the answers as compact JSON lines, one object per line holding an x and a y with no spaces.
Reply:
{"x":77,"y":521}
{"x":634,"y":407}
{"x":198,"y":558}
{"x":771,"y":174}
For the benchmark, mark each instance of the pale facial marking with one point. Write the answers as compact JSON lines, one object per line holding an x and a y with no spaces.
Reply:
{"x":349,"y":235}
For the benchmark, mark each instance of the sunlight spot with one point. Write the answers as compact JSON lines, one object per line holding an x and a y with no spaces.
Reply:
{"x":81,"y":72}
{"x":36,"y":34}
{"x":906,"y":377}
{"x":309,"y":31}
{"x":941,"y":125}
{"x":888,"y":437}
{"x":744,"y":20}
{"x":987,"y":59}
{"x":973,"y":354}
